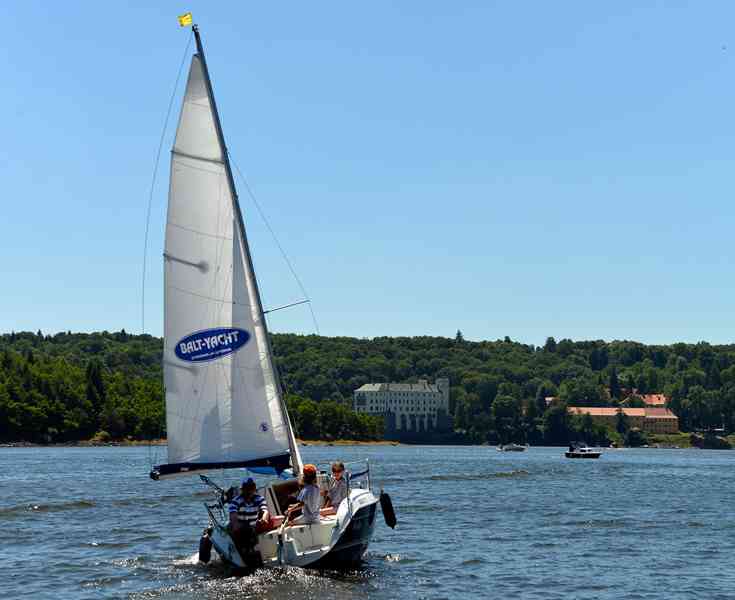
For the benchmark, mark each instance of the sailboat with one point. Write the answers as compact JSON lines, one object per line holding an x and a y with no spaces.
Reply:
{"x":225,"y":406}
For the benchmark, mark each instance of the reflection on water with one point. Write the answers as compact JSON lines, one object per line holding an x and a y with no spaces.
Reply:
{"x":472,"y":523}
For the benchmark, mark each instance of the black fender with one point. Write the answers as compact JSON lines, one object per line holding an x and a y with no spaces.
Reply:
{"x":205,"y":547}
{"x":389,"y":514}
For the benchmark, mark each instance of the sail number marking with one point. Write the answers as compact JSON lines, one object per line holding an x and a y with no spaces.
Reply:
{"x":211,"y":344}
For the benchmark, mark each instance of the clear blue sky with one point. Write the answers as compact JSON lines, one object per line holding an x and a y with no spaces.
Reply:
{"x":503,"y":168}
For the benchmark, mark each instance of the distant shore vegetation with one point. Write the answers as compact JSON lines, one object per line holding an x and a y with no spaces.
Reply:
{"x":75,"y":386}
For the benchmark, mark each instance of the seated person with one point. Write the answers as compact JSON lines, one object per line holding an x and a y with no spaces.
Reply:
{"x":248,"y":513}
{"x":338,"y":488}
{"x":308,"y":500}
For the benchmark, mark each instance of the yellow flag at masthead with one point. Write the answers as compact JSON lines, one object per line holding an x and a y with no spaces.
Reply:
{"x":185,"y":20}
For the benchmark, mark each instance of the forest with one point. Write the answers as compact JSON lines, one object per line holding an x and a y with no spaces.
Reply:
{"x":73,"y":386}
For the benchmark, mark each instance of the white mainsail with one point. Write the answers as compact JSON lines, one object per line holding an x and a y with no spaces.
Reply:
{"x":223,"y":402}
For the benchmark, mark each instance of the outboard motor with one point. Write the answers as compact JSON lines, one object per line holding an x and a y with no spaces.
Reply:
{"x":387,"y":507}
{"x":246,"y":543}
{"x":205,"y":547}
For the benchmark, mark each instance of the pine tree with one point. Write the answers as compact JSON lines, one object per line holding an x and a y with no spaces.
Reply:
{"x":614,"y":384}
{"x":621,"y":422}
{"x":95,"y":388}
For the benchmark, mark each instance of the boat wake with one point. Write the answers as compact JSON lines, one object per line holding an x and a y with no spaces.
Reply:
{"x":479,"y":477}
{"x":19,"y":509}
{"x":189,"y":561}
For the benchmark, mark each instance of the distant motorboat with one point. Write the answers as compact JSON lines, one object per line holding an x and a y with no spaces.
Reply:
{"x":511,"y":447}
{"x":582,"y":451}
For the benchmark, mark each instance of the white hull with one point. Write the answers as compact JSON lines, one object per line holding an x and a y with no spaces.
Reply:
{"x":339,"y":539}
{"x":583,"y":451}
{"x":584,"y":454}
{"x":512,"y":448}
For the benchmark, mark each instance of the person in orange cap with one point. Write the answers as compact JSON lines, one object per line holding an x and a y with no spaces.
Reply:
{"x":308,"y":500}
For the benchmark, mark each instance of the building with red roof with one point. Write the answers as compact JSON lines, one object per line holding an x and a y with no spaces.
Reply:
{"x":651,"y":419}
{"x":654,"y":399}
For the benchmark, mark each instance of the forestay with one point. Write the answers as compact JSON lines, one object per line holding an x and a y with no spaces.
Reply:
{"x":223,"y":404}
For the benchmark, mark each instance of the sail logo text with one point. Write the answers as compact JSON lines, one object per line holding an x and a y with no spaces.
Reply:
{"x":211,"y":344}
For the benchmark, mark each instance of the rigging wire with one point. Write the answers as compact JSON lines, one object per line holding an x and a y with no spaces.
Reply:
{"x":308,"y":302}
{"x":275,"y":239}
{"x":153,"y":181}
{"x":154,"y":455}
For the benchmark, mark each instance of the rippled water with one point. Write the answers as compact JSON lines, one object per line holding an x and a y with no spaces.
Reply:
{"x":473,"y":522}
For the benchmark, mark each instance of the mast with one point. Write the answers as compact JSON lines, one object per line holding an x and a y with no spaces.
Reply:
{"x":295,"y":457}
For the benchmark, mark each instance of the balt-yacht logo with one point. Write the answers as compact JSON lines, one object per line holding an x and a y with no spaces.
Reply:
{"x":211,"y":344}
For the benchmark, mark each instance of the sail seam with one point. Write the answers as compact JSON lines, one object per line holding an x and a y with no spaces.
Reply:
{"x":210,"y":170}
{"x":212,"y":298}
{"x":190,"y":230}
{"x":245,"y":368}
{"x":193,"y":157}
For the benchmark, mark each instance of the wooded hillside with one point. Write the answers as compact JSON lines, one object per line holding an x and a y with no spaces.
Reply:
{"x":69,"y":386}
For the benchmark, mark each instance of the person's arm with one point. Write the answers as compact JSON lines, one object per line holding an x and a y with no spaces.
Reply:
{"x":315,"y":502}
{"x":297,"y":506}
{"x":264,"y":514}
{"x":294,"y":508}
{"x":234,"y":523}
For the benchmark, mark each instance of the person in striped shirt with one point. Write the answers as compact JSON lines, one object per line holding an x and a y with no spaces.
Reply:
{"x":248,"y":510}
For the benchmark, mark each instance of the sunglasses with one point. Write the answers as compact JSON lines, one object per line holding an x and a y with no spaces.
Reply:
{"x":337,"y":470}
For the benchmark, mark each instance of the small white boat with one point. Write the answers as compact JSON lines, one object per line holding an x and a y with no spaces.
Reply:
{"x":582,"y":451}
{"x":225,"y":407}
{"x":512,"y":447}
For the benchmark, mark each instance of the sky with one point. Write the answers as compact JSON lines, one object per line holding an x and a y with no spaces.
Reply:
{"x":521,"y":169}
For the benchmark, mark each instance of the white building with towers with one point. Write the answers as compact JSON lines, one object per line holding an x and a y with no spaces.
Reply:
{"x":406,"y":406}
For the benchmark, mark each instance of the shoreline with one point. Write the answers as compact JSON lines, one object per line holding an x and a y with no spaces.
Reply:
{"x":348,"y":443}
{"x":85,"y":444}
{"x":163,"y":441}
{"x":673,"y":441}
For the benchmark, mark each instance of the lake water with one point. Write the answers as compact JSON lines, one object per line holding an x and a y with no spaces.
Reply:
{"x":473,"y":522}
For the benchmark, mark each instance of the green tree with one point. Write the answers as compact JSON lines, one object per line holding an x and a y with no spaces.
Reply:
{"x":556,"y":425}
{"x":614,"y":384}
{"x":621,"y":422}
{"x":635,"y":438}
{"x":505,"y":416}
{"x":586,"y":428}
{"x":95,"y":384}
{"x":546,"y":389}
{"x":581,"y":391}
